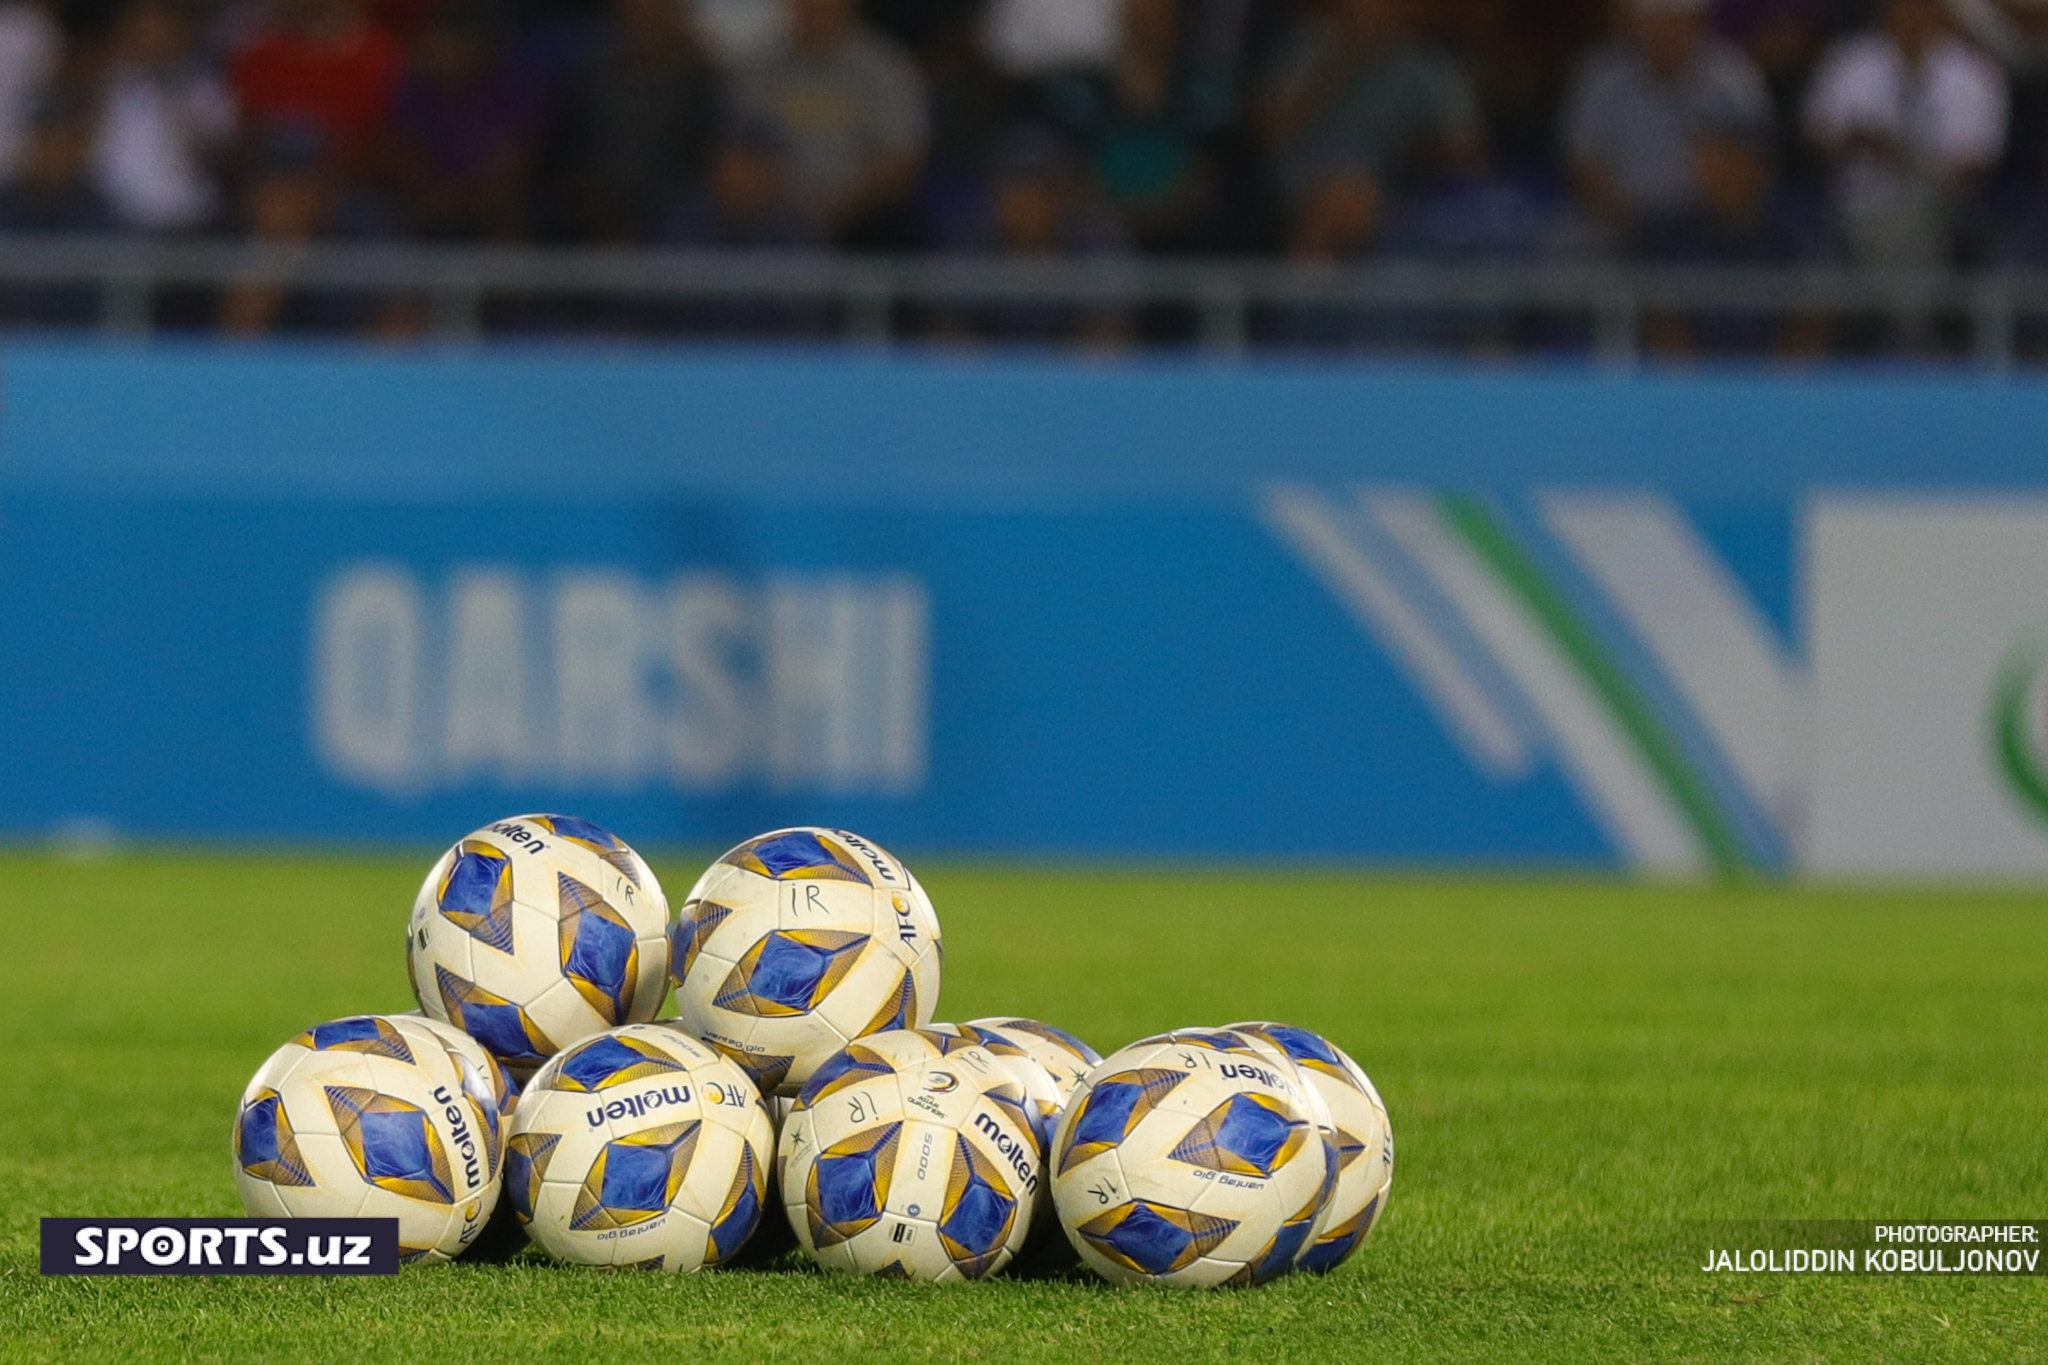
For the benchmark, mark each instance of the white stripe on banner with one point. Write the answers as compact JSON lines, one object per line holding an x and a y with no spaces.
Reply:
{"x":1621,"y":792}
{"x":1706,"y":636}
{"x":1336,"y":553}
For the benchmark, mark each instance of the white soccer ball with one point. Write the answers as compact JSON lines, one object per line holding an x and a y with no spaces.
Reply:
{"x":1318,"y":1113}
{"x":503,"y":1089}
{"x":795,"y":944}
{"x":640,"y":1147}
{"x":373,"y":1117}
{"x":1065,"y":1058}
{"x":537,"y":932}
{"x":1043,"y":1092}
{"x":911,"y":1155}
{"x":1192,"y":1159}
{"x":1364,"y":1142}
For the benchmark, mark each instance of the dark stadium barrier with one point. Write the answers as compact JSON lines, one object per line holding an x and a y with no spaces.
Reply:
{"x":1150,"y":610}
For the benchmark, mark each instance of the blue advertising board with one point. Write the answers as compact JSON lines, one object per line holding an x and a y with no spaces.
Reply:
{"x":1013,"y":606}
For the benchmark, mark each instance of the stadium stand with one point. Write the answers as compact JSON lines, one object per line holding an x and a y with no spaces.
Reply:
{"x":1679,"y":178}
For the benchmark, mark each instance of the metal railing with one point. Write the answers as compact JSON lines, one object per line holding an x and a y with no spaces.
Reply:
{"x":868,"y":295}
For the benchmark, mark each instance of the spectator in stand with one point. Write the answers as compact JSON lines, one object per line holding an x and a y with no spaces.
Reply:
{"x":1743,"y":221}
{"x":1044,"y":205}
{"x":52,"y":190}
{"x":1912,"y":118}
{"x":30,"y":49}
{"x":289,"y":198}
{"x":917,"y":24}
{"x":1519,"y":57}
{"x":2013,"y":31}
{"x":848,"y":109}
{"x":1654,"y":124}
{"x":1215,"y":48}
{"x":400,"y":18}
{"x":1338,"y":218}
{"x":1783,"y":38}
{"x":321,"y":70}
{"x":1030,"y":40}
{"x":164,"y":120}
{"x":644,"y":114}
{"x":744,"y":204}
{"x":462,"y":130}
{"x":971,"y":105}
{"x":1144,"y":126}
{"x":293,"y":192}
{"x":741,"y":32}
{"x":744,"y":201}
{"x":1355,"y":95}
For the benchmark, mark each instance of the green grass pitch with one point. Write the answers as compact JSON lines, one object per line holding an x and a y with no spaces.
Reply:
{"x":1573,"y":1068}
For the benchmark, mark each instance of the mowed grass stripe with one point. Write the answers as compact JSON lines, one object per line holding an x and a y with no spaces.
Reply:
{"x":1573,"y":1069}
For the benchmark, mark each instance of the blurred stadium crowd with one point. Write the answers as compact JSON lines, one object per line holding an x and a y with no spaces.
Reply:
{"x":1895,"y":134}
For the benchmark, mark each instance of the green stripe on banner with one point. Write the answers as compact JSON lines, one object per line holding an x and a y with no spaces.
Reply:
{"x":2009,"y":728}
{"x":1470,"y":519}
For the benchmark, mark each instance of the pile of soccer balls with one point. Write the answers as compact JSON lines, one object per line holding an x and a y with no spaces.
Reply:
{"x":806,"y":967}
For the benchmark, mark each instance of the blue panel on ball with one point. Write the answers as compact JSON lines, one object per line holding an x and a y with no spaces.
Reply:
{"x":1279,"y":1257}
{"x":591,"y":1065}
{"x":257,"y":1140}
{"x":1073,"y":1044}
{"x":1107,"y":1117}
{"x":1222,"y":1042}
{"x":981,"y":1218}
{"x":1152,"y":1243}
{"x":601,"y":954}
{"x":501,"y":1028}
{"x":527,"y":1158}
{"x":1302,"y":1045}
{"x":362,"y":1029}
{"x":788,"y":852}
{"x":636,"y":1177}
{"x":473,"y":884}
{"x":519,"y":1182}
{"x":1253,"y":1132}
{"x":1327,"y":1255}
{"x":846,"y":1186}
{"x":844,"y":1062}
{"x":395,"y":1146}
{"x":730,"y":1232}
{"x":569,"y":827}
{"x":789,"y":972}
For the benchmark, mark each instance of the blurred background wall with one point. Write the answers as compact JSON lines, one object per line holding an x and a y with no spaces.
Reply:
{"x":1583,"y":432}
{"x":1854,"y":154}
{"x":1011,"y":605}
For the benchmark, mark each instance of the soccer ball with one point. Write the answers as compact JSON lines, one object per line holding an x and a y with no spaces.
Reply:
{"x":373,"y":1117}
{"x":1065,"y":1058}
{"x":503,"y":1089}
{"x":1044,"y":1095}
{"x":911,"y":1155}
{"x":798,"y":942}
{"x":536,"y":932}
{"x":640,"y":1147}
{"x":1191,"y":1159}
{"x":1042,"y":1091}
{"x":1318,"y":1112}
{"x":1364,"y":1141}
